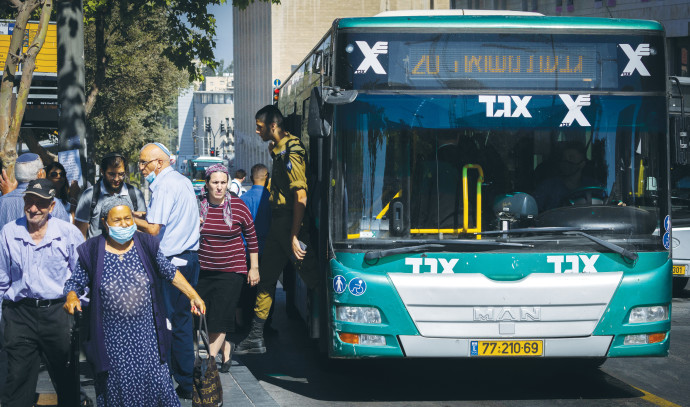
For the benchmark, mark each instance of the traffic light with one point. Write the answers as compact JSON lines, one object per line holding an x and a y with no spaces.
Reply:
{"x":276,"y":95}
{"x":222,"y":127}
{"x":213,"y":152}
{"x":208,"y":126}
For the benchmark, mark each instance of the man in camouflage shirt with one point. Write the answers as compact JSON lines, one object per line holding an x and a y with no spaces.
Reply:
{"x":288,"y":235}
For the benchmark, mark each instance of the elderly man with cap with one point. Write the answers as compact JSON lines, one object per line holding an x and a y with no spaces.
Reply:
{"x":37,"y":255}
{"x":28,"y":168}
{"x":173,"y":216}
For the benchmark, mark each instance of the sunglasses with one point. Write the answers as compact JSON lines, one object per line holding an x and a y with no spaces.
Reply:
{"x":56,"y":174}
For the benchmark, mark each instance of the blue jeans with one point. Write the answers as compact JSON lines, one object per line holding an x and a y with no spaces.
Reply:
{"x":181,"y":360}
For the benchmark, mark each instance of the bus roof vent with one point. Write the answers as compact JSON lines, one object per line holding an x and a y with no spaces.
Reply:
{"x":456,"y":12}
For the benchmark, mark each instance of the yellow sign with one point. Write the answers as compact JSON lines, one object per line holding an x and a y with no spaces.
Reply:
{"x":46,"y":60}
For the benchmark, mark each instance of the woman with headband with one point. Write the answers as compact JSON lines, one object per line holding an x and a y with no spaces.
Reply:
{"x":222,"y":257}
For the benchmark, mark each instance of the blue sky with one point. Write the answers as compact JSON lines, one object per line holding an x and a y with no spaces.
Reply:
{"x":223,"y":15}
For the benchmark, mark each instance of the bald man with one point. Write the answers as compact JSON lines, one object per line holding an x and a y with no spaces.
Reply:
{"x":173,"y":216}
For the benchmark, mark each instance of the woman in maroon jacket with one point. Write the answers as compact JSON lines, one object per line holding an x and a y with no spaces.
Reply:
{"x":222,"y":257}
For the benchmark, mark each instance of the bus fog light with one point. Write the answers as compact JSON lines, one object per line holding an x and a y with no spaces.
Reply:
{"x":648,"y":314}
{"x":644,"y":339}
{"x":372,"y":340}
{"x":362,"y":339}
{"x":360,"y":315}
{"x":635,"y":340}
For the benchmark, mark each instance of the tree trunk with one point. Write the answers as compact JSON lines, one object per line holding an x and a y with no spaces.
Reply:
{"x":10,"y":124}
{"x":101,"y":57}
{"x":27,"y":135}
{"x":14,"y":57}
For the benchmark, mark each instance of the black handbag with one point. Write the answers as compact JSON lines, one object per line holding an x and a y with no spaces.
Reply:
{"x":207,"y":390}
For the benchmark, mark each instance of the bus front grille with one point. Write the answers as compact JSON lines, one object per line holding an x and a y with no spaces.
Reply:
{"x":537,"y":306}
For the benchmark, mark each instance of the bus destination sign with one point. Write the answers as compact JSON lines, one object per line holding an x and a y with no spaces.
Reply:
{"x":473,"y":62}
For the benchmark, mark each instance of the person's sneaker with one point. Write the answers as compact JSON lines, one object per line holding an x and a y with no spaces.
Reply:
{"x":183,"y":394}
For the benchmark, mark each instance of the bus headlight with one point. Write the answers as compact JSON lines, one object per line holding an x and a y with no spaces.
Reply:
{"x":648,"y":314}
{"x":360,"y":315}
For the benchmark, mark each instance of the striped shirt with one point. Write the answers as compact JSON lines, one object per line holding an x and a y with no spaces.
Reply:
{"x":221,"y":247}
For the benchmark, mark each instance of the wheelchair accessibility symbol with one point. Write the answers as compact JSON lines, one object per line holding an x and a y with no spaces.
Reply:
{"x":357,"y":286}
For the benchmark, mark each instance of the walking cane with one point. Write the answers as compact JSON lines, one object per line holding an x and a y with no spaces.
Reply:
{"x":75,"y":391}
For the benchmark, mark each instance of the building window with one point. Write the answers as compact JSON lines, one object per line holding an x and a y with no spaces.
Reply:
{"x":611,"y":3}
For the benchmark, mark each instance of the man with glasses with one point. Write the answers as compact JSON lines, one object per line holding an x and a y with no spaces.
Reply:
{"x":173,"y":216}
{"x":112,"y":182}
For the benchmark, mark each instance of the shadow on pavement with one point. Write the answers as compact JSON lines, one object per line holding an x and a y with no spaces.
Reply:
{"x":294,"y":364}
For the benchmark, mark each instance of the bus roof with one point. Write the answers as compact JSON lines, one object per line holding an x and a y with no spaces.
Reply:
{"x":509,"y":21}
{"x":208,"y":159}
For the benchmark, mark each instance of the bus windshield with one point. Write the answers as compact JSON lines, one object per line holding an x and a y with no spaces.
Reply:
{"x":403,"y":162}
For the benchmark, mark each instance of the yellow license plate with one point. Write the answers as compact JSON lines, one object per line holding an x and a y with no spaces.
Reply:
{"x":506,"y":348}
{"x":679,"y":270}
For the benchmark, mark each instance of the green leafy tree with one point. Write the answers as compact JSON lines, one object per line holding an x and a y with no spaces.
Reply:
{"x":186,"y":36}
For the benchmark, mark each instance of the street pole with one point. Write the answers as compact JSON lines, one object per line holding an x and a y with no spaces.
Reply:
{"x":71,"y":94}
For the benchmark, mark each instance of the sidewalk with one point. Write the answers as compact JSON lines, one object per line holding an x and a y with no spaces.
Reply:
{"x":240,"y":388}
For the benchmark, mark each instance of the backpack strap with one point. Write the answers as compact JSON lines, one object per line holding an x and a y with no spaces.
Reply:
{"x":132,"y":196}
{"x":96,"y":193}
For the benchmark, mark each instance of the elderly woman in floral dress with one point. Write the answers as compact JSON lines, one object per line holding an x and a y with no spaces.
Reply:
{"x":128,"y":335}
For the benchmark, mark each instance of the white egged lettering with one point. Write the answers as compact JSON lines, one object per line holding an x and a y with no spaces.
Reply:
{"x":505,"y":101}
{"x":574,"y":262}
{"x":431,"y":265}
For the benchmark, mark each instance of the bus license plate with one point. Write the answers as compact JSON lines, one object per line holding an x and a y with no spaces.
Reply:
{"x":506,"y":348}
{"x":679,"y":270}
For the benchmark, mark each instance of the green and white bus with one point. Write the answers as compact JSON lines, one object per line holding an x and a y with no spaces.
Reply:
{"x":196,"y":170}
{"x":486,"y":186}
{"x":679,"y":126}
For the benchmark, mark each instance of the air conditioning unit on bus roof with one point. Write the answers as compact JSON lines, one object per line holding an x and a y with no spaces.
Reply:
{"x":456,"y":12}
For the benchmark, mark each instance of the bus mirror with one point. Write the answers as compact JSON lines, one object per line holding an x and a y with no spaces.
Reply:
{"x":337,"y":96}
{"x":317,"y":124}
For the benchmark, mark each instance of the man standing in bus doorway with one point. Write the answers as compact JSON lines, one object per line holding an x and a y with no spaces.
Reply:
{"x":173,"y":216}
{"x":288,"y":235}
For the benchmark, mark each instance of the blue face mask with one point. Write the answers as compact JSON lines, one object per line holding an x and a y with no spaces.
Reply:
{"x":122,"y":235}
{"x":149,"y":178}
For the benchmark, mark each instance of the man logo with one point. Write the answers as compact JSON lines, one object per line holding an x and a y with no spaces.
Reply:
{"x":371,"y":57}
{"x":520,"y":106}
{"x":499,"y":314}
{"x":635,"y":57}
{"x":574,"y":113}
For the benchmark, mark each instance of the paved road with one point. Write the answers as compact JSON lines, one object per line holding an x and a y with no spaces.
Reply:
{"x":294,"y":374}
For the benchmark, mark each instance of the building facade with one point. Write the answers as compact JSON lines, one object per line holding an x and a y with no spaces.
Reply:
{"x":206,"y":121}
{"x":269,"y":40}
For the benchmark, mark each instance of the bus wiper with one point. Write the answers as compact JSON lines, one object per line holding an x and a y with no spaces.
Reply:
{"x":613,"y":247}
{"x":571,"y":230}
{"x":377,"y":254}
{"x":546,"y":229}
